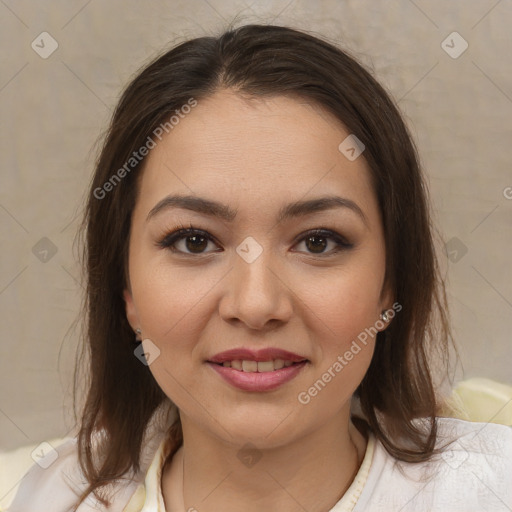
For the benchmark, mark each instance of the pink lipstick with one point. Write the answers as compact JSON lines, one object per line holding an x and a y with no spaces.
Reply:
{"x":257,"y":370}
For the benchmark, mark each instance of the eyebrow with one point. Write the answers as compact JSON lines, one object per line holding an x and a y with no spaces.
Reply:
{"x":293,"y":210}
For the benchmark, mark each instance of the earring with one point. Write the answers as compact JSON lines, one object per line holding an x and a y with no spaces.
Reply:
{"x":137,"y":335}
{"x":384,"y":316}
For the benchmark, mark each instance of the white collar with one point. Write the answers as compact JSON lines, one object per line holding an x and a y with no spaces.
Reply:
{"x":148,"y":495}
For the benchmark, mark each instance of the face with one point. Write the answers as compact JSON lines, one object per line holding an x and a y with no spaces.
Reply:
{"x":257,"y":280}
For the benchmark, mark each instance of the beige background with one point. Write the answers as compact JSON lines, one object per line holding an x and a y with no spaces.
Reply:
{"x":54,"y":109}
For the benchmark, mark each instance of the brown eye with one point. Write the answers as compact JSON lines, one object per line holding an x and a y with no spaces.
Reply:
{"x":317,"y":241}
{"x":194,"y":241}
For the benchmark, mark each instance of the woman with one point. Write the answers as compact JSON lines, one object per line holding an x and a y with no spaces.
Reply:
{"x":259,"y":223}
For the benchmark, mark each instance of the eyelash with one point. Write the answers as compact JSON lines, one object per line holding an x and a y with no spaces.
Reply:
{"x":180,"y":232}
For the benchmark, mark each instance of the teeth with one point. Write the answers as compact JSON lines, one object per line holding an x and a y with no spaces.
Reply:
{"x":266,"y":366}
{"x":237,"y":365}
{"x":249,"y":366}
{"x":254,"y":366}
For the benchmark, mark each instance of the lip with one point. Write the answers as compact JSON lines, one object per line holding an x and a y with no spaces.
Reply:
{"x":255,"y":381}
{"x":264,"y":354}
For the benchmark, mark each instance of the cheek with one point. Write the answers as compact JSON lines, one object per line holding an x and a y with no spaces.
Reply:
{"x":343,"y":325}
{"x":170,"y":301}
{"x":344,"y":303}
{"x":170,"y":306}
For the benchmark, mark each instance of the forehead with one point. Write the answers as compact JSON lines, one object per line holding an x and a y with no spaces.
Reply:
{"x":254,"y":152}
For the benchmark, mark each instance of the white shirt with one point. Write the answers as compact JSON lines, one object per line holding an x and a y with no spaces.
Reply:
{"x":474,"y":474}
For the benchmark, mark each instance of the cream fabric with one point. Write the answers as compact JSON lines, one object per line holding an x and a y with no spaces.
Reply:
{"x":480,"y":399}
{"x":148,"y":496}
{"x":473,"y":474}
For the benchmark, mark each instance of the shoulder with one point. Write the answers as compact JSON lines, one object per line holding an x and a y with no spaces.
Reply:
{"x":481,"y":450}
{"x":476,"y":440}
{"x":56,"y":481}
{"x":471,"y":473}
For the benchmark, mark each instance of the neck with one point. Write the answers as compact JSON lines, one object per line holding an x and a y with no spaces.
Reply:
{"x":311,"y":473}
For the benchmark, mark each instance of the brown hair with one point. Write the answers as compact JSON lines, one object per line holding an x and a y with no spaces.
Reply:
{"x":261,"y":60}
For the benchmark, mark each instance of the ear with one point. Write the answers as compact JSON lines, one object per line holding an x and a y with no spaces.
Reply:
{"x":131,"y":313}
{"x":386,"y":297}
{"x":386,"y":301}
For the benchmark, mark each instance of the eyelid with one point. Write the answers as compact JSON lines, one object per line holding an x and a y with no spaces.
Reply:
{"x":181,"y":232}
{"x":323,"y":232}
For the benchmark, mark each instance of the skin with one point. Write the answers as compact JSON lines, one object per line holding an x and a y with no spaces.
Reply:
{"x":192,"y":306}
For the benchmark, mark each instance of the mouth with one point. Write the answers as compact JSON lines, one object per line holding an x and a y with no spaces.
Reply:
{"x":243,"y":359}
{"x":257,"y":370}
{"x":251,"y":366}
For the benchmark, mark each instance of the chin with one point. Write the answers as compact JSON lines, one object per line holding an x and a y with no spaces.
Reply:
{"x":265,"y":427}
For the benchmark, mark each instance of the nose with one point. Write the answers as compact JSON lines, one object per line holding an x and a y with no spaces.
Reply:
{"x":256,"y":294}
